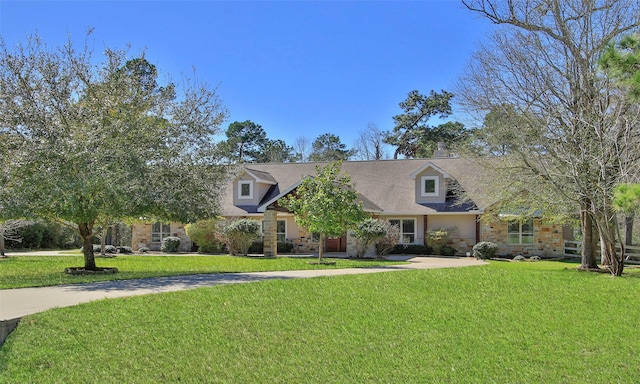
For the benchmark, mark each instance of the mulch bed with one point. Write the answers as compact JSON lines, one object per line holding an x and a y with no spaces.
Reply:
{"x":83,"y":271}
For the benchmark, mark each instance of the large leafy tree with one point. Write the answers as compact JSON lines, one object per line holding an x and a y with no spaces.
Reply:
{"x":326,"y":203}
{"x":247,"y":142}
{"x":328,"y":147}
{"x":581,"y":134}
{"x":412,"y":135}
{"x":501,"y":130}
{"x":243,"y":143}
{"x":88,"y":142}
{"x":275,"y":151}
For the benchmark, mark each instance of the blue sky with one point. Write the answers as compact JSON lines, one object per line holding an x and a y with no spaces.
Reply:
{"x":298,"y":68}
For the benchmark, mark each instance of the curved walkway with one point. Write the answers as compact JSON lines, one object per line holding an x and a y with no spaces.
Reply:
{"x":16,"y":303}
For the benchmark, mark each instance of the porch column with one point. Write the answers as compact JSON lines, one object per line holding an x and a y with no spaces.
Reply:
{"x":270,"y":233}
{"x":425,"y":221}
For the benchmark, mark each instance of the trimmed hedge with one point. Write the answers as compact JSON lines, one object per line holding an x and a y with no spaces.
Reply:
{"x":412,"y":249}
{"x":124,"y":250}
{"x":447,"y":250}
{"x":258,"y":247}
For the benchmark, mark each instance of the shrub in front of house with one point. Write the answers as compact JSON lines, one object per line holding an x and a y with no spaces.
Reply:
{"x":412,"y":249}
{"x":368,"y":233}
{"x":438,"y":239}
{"x":387,"y":243}
{"x":170,"y":244}
{"x":258,"y":247}
{"x":447,"y":250}
{"x":202,"y":232}
{"x":216,"y":247}
{"x":124,"y":250}
{"x":238,"y":235}
{"x":143,"y":250}
{"x":519,"y":258}
{"x":485,"y":250}
{"x":97,"y":248}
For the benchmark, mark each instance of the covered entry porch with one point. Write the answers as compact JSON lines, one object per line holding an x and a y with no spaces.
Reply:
{"x":303,"y":241}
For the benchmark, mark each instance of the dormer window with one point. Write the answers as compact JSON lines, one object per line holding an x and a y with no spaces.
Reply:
{"x":245,"y":189}
{"x":430,"y":186}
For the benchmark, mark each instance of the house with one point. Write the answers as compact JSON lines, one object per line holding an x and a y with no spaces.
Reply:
{"x":419,"y":195}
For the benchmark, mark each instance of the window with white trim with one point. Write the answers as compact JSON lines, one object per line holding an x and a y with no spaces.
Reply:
{"x":407,"y":230}
{"x":245,"y":189}
{"x":281,"y":230}
{"x":520,"y":232}
{"x":159,"y":231}
{"x":430,"y":186}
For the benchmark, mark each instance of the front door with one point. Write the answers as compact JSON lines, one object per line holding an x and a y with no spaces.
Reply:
{"x":336,"y":244}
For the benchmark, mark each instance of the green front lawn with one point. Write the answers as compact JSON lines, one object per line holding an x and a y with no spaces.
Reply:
{"x":35,"y":271}
{"x":504,"y":323}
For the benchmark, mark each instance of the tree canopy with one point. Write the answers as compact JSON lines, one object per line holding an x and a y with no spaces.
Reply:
{"x":247,"y":142}
{"x":276,"y":151}
{"x":84,"y":140}
{"x":622,"y":61}
{"x":412,"y":136}
{"x":243,"y":143}
{"x":328,"y":147}
{"x":626,"y":198}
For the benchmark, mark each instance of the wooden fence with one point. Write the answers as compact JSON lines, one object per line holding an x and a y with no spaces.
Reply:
{"x":573,"y":249}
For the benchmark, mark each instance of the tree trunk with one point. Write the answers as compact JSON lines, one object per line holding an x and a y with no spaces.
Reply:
{"x":608,"y":229}
{"x":321,"y":248}
{"x":86,"y":233}
{"x":614,"y":261}
{"x":103,"y":242}
{"x":628,"y":235}
{"x":588,"y":260}
{"x":1,"y":245}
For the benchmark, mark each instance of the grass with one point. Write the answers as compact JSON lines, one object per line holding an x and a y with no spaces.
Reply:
{"x":501,"y":323}
{"x":35,"y":271}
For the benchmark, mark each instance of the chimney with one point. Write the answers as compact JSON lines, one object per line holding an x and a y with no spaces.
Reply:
{"x":442,"y":150}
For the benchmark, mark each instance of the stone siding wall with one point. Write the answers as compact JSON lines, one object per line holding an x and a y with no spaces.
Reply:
{"x":304,"y":243}
{"x":141,"y":237}
{"x":548,"y":239}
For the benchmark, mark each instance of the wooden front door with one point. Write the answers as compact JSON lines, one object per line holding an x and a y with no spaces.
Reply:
{"x":336,"y":244}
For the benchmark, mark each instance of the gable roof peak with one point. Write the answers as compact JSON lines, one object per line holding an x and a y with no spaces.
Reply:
{"x":260,"y":176}
{"x":427,"y":166}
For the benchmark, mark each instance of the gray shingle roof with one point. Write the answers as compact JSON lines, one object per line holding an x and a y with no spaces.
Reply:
{"x":262,"y":175}
{"x":386,"y":184}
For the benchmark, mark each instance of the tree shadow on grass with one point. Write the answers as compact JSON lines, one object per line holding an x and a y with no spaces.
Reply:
{"x":172,"y":283}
